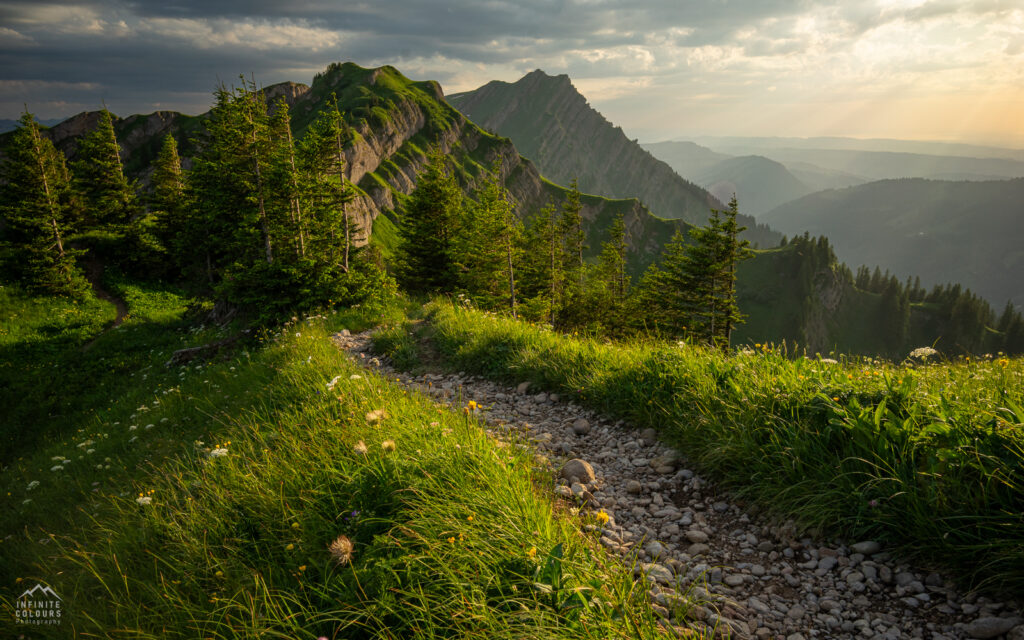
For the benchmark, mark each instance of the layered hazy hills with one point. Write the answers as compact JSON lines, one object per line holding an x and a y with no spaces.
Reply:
{"x":881,"y":159}
{"x":759,"y":183}
{"x":966,"y":232}
{"x":552,"y":124}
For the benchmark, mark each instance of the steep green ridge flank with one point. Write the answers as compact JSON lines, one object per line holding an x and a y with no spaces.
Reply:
{"x":451,"y":535}
{"x":552,"y":124}
{"x":857,"y":449}
{"x":964,"y":232}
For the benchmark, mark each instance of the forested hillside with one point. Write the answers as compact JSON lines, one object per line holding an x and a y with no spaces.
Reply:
{"x":965,"y":232}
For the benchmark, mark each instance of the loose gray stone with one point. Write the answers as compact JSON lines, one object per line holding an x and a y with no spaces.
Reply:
{"x":649,"y":436}
{"x":523,"y":387}
{"x":580,"y":469}
{"x":990,"y":627}
{"x":694,"y":535}
{"x":826,"y":564}
{"x":698,"y":549}
{"x":634,"y":487}
{"x":581,"y":427}
{"x":869,"y":547}
{"x":655,"y":549}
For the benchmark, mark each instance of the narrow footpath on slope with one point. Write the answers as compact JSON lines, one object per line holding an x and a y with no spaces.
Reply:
{"x":753,"y":578}
{"x":94,"y":274}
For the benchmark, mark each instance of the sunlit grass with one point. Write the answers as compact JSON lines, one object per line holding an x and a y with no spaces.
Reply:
{"x":205,"y":503}
{"x":928,"y":457}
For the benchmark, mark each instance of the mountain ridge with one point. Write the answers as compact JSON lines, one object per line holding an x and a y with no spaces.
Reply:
{"x":552,"y":123}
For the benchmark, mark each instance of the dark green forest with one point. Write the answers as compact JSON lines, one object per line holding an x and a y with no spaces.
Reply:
{"x":263,"y":218}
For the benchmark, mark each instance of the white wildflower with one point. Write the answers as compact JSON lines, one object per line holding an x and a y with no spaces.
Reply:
{"x":828,"y":361}
{"x":149,"y":426}
{"x":32,"y":485}
{"x":219,"y":453}
{"x":144,"y":500}
{"x":923,"y":352}
{"x":85,"y":444}
{"x":56,"y":467}
{"x":333,"y":382}
{"x":355,"y":376}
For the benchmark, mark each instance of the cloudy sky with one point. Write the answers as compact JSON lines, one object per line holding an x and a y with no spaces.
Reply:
{"x":913,"y":69}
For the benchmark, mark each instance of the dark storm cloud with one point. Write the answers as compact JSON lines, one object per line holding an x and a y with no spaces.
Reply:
{"x":139,"y":55}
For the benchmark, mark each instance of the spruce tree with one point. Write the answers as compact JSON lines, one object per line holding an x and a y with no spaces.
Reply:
{"x":574,"y":238}
{"x":487,"y":246}
{"x":733,"y":251}
{"x":428,"y":228}
{"x":167,"y":202}
{"x":612,"y":261}
{"x":542,"y":274}
{"x":322,"y":161}
{"x":109,"y":198}
{"x":37,"y":202}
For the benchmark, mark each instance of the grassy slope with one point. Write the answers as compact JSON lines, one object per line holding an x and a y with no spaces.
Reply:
{"x":451,"y":531}
{"x":928,"y":459}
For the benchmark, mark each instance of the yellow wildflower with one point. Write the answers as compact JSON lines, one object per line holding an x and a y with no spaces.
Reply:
{"x":289,"y":547}
{"x":532,"y":553}
{"x":602,"y":517}
{"x":451,"y":540}
{"x":302,"y":568}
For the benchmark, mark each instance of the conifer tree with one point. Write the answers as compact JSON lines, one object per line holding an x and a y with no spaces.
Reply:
{"x":487,"y":246}
{"x":542,"y":274}
{"x":733,"y":251}
{"x":574,"y":238}
{"x":286,"y":175}
{"x":612,"y":261}
{"x":322,"y":162}
{"x":37,"y":202}
{"x":428,"y":228}
{"x":167,"y":202}
{"x":108,"y":196}
{"x":665,"y":289}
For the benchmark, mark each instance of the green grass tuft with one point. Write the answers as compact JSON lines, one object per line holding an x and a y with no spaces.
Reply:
{"x":928,"y":458}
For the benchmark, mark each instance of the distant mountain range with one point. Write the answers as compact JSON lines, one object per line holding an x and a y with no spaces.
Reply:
{"x":552,"y":124}
{"x":11,"y":125}
{"x":759,"y":183}
{"x":971,"y":233}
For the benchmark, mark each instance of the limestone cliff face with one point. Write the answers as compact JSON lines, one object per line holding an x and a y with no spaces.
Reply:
{"x":828,"y":291}
{"x":551,"y":123}
{"x":396,"y":122}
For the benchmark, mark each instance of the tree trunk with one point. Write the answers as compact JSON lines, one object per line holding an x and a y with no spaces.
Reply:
{"x":259,"y":185}
{"x":511,"y":273}
{"x":50,"y":204}
{"x":295,"y":204}
{"x":340,"y":163}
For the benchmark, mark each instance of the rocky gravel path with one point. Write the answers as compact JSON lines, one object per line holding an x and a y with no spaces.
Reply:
{"x":751,"y":577}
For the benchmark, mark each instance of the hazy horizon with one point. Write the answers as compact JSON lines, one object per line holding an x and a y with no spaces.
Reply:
{"x":894,"y":69}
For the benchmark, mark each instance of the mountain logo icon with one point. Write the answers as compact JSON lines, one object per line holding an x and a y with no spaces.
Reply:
{"x":40,"y":591}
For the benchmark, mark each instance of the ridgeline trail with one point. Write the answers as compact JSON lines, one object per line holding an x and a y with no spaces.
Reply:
{"x":749,"y":576}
